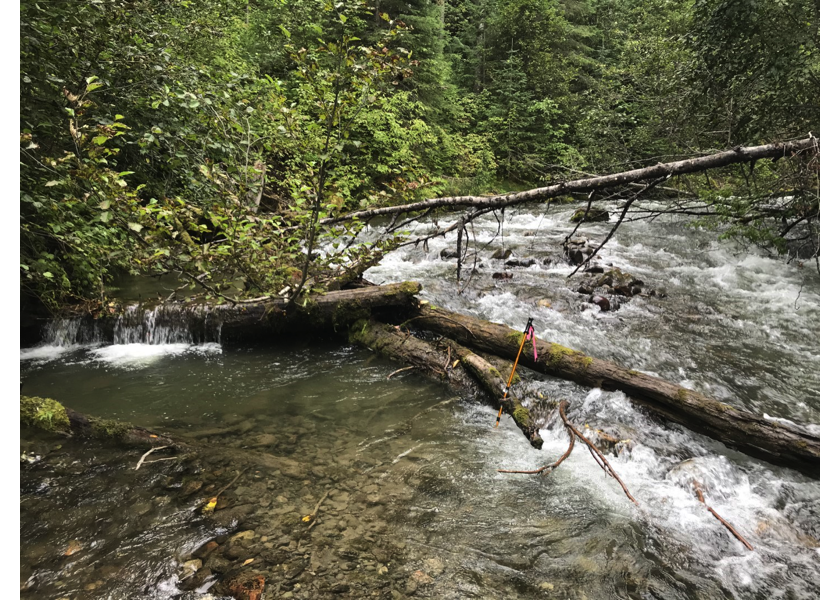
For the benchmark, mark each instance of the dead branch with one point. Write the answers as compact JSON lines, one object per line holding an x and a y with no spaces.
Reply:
{"x":600,"y":459}
{"x":315,"y":512}
{"x":399,"y":371}
{"x":143,"y":458}
{"x":726,"y":524}
{"x":691,"y":165}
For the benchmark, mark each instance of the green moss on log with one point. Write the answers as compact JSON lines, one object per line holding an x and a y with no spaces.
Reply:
{"x":43,"y":413}
{"x":522,"y":415}
{"x":107,"y":428}
{"x":558,"y":355}
{"x":349,"y":312}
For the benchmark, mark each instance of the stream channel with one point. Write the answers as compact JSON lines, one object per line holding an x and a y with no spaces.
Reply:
{"x":415,"y":505}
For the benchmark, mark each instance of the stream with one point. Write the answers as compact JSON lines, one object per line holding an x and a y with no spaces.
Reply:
{"x":414,"y":505}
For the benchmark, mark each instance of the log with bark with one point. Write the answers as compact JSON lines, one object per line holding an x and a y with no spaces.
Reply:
{"x":771,"y":441}
{"x":330,"y":312}
{"x":440,"y":360}
{"x":658,"y":171}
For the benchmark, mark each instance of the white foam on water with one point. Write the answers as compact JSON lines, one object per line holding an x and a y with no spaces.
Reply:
{"x":47,"y":353}
{"x":134,"y":356}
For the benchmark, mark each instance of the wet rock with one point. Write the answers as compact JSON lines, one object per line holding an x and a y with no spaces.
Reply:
{"x":521,"y":262}
{"x":602,"y":302}
{"x":243,"y":536}
{"x":191,"y":487}
{"x":204,"y":550}
{"x":595,"y":215}
{"x":502,"y":254}
{"x":434,"y":566}
{"x":293,"y":568}
{"x":635,"y":290}
{"x":447,"y":253}
{"x":247,"y":585}
{"x":196,"y":580}
{"x":502,"y":275}
{"x":547,"y":261}
{"x":339,"y":588}
{"x":189,"y":568}
{"x":594,"y":269}
{"x":264,"y":439}
{"x":218,"y":564}
{"x":584,"y":288}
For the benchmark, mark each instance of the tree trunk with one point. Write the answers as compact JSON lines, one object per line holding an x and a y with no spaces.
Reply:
{"x":768,"y":440}
{"x":691,"y":165}
{"x":261,"y":320}
{"x":437,"y":360}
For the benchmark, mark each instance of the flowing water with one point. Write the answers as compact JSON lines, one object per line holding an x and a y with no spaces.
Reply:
{"x":415,"y":505}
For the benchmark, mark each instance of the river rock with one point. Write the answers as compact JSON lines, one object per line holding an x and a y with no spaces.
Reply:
{"x":447,"y":253}
{"x":246,"y":585}
{"x":595,"y":215}
{"x":602,"y":302}
{"x":218,"y":564}
{"x":502,"y":254}
{"x":204,"y":550}
{"x":264,"y":439}
{"x":594,"y":269}
{"x":521,"y":262}
{"x":502,"y":275}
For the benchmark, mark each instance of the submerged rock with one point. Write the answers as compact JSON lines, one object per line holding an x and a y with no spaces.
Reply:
{"x":247,"y":585}
{"x":447,"y":253}
{"x":502,"y":275}
{"x":502,"y":254}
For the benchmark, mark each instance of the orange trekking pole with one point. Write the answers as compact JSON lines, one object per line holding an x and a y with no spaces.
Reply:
{"x":528,"y":329}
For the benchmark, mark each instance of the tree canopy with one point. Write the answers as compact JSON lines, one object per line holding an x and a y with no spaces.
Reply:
{"x":213,"y":138}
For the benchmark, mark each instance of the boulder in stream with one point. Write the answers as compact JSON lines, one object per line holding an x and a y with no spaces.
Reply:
{"x":595,"y":215}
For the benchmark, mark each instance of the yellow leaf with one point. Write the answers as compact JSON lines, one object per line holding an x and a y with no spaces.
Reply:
{"x":210,"y":506}
{"x":152,"y":435}
{"x":455,"y":364}
{"x":307,"y":518}
{"x":248,"y":562}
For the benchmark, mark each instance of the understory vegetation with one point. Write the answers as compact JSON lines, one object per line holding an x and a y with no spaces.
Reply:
{"x":210,"y":138}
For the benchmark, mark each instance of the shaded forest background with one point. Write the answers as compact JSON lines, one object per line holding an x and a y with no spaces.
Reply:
{"x":209,"y":138}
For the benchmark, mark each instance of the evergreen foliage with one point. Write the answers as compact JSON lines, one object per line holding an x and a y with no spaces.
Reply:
{"x":208,"y":137}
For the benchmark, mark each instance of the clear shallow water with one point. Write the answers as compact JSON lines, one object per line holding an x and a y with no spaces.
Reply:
{"x":418,"y":465}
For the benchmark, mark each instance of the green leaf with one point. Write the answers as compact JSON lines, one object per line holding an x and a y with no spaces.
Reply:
{"x":48,"y":275}
{"x":105,"y":204}
{"x":100,"y":139}
{"x":135,"y":227}
{"x":51,"y":183}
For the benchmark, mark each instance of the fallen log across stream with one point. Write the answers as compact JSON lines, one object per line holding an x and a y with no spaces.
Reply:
{"x":751,"y":434}
{"x":362,"y":312}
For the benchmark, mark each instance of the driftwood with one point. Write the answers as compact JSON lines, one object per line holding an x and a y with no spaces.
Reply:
{"x":725,"y":523}
{"x":595,"y":452}
{"x":437,"y":360}
{"x":658,"y":171}
{"x":751,"y":434}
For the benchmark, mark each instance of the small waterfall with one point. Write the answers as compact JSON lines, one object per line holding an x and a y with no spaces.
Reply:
{"x":79,"y":331}
{"x":166,"y":325}
{"x":161,"y":325}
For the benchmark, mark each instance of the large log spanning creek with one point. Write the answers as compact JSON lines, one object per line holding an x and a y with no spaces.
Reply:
{"x":347,"y":449}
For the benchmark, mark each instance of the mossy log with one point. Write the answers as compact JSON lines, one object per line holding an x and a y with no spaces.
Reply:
{"x":772,"y":441}
{"x":327,"y":313}
{"x":437,"y":359}
{"x":50,"y":415}
{"x":331,"y":311}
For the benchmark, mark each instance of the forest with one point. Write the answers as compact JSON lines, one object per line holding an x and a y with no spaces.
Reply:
{"x":276,"y":257}
{"x":212,"y":139}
